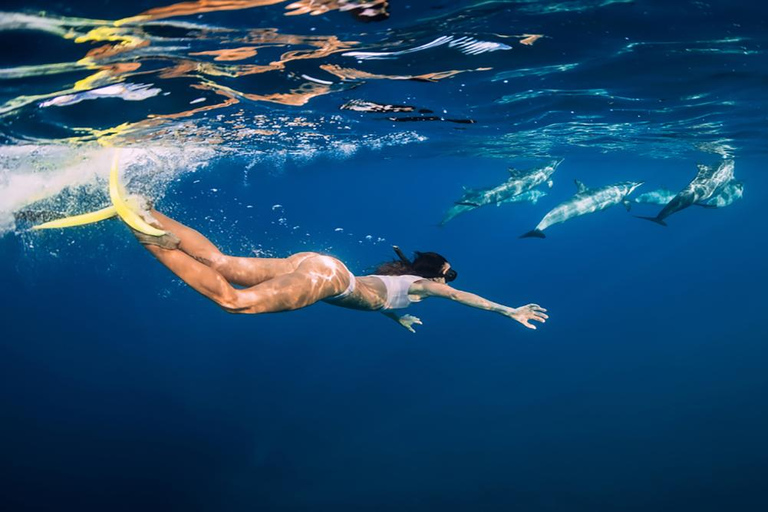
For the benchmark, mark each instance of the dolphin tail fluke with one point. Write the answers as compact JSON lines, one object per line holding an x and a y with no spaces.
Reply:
{"x":653,"y":219}
{"x":536,"y":233}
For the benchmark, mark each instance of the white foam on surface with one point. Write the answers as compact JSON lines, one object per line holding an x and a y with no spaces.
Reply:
{"x":32,"y":174}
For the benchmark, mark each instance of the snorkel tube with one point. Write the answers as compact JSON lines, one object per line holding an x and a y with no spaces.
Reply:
{"x":402,"y":256}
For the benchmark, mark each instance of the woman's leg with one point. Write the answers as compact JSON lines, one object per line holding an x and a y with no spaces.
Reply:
{"x":236,"y":270}
{"x":315,"y":278}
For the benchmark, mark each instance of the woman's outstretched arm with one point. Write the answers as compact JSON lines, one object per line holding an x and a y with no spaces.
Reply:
{"x":524,"y":314}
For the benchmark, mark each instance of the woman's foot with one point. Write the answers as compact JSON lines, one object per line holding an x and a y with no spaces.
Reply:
{"x":143,"y":206}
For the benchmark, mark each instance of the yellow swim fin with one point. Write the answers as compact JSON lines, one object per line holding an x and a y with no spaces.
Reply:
{"x":121,"y":206}
{"x":130,"y":217}
{"x":79,"y":220}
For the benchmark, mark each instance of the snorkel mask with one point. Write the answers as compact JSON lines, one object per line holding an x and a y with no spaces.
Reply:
{"x":449,"y":276}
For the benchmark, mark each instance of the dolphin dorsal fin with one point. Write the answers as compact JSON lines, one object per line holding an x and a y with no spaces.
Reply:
{"x":580,"y":187}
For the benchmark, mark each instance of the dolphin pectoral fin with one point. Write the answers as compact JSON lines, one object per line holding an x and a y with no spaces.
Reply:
{"x":129,"y":216}
{"x":705,"y":205}
{"x":466,"y":203}
{"x":550,"y":183}
{"x":79,"y":220}
{"x":627,"y":204}
{"x":536,"y":233}
{"x":653,"y":219}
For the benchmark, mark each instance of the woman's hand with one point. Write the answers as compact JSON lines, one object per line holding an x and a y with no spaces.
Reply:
{"x":525,"y":314}
{"x":408,"y":321}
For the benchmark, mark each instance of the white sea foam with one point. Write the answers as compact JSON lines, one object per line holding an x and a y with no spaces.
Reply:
{"x":38,"y":174}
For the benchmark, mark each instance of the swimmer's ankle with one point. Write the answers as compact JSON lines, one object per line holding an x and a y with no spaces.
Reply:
{"x":168,"y":241}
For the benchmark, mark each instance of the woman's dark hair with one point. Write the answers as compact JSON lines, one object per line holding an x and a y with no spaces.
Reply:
{"x":425,"y":264}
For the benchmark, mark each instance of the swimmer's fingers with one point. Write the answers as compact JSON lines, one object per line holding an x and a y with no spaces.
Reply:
{"x":408,"y":321}
{"x":536,"y":312}
{"x":531,"y":312}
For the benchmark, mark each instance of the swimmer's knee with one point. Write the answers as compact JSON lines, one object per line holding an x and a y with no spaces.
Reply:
{"x":236,"y":308}
{"x":230,"y":301}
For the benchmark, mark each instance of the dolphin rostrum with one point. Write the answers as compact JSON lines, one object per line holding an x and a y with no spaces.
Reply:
{"x":586,"y":200}
{"x":708,"y":181}
{"x":531,"y":196}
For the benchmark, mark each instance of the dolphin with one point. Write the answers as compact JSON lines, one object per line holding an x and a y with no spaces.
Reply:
{"x":517,"y":183}
{"x":586,"y":200}
{"x":729,"y":194}
{"x":531,"y":196}
{"x":707,"y":182}
{"x":658,"y":197}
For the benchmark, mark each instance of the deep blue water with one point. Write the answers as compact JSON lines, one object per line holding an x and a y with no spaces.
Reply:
{"x":122,"y":389}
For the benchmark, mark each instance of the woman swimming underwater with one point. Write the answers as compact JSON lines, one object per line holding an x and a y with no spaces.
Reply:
{"x":272,"y":285}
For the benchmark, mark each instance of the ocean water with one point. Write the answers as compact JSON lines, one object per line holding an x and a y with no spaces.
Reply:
{"x":345,"y":127}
